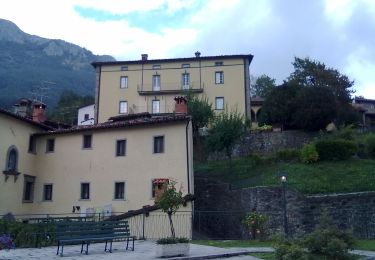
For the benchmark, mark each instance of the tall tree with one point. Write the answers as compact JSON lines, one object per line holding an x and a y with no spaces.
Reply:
{"x":201,"y":111}
{"x":262,"y":86}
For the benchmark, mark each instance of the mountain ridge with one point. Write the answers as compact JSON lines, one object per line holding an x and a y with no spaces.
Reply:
{"x":41,"y":68}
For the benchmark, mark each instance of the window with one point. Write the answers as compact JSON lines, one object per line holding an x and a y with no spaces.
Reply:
{"x":119,"y":190}
{"x":32,"y":144}
{"x":219,"y":77}
{"x":85,"y":191}
{"x":185,"y":65}
{"x":124,"y":82}
{"x":47,"y":192}
{"x":50,"y":146}
{"x":218,"y":63}
{"x":12,"y":159}
{"x":158,"y":144}
{"x":156,"y":82}
{"x":155,"y":106}
{"x":155,"y":67}
{"x":219,"y":103}
{"x":123,"y":68}
{"x":87,"y":142}
{"x":86,"y":117}
{"x":28,"y":188}
{"x":120,"y":147}
{"x":185,"y":80}
{"x":123,"y":109}
{"x":158,"y":186}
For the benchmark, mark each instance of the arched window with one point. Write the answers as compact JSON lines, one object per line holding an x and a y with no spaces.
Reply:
{"x":12,"y":159}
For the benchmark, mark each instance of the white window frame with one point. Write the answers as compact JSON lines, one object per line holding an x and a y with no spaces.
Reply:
{"x":155,"y":109}
{"x":219,"y":77}
{"x":124,"y":82}
{"x":185,"y":80}
{"x":219,"y":103}
{"x":156,"y":82}
{"x":123,"y":107}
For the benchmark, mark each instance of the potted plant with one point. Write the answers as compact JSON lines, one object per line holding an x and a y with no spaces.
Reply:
{"x":169,"y":202}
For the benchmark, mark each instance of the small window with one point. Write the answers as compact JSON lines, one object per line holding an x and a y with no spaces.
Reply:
{"x":86,"y":117}
{"x":47,"y":192}
{"x":28,"y":188}
{"x":219,"y":103}
{"x":32,"y":144}
{"x":87,"y":141}
{"x":157,"y":66}
{"x":219,"y":77}
{"x":119,"y":190}
{"x":120,"y":147}
{"x":158,"y":186}
{"x":185,"y":65}
{"x":158,"y":144}
{"x":124,"y":82}
{"x":124,"y":68}
{"x":123,"y":107}
{"x":185,"y":81}
{"x":219,"y":63}
{"x":155,"y":106}
{"x":50,"y":146}
{"x":85,"y":191}
{"x":156,"y":82}
{"x":12,"y":159}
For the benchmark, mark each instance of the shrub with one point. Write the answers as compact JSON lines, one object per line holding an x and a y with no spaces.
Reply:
{"x":309,"y":154}
{"x":346,"y":133}
{"x":288,"y":155}
{"x":370,"y":145}
{"x":172,"y":240}
{"x":338,"y":149}
{"x":256,"y":223}
{"x":289,"y":249}
{"x":327,"y":240}
{"x":6,"y":242}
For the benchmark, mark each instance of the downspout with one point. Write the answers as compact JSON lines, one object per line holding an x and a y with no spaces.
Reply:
{"x":98,"y":71}
{"x":187,"y":156}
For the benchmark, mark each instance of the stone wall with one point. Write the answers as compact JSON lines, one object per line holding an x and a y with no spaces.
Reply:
{"x":219,"y":210}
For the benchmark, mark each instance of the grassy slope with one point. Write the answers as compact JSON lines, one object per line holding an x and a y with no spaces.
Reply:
{"x":322,"y":177}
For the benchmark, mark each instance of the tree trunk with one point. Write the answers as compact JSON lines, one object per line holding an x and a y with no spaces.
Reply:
{"x":171,"y":224}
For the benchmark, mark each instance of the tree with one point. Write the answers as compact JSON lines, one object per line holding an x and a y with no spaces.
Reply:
{"x":311,"y":73}
{"x":169,"y":202}
{"x":66,"y":110}
{"x":262,"y":86}
{"x":226,"y":130}
{"x":201,"y":111}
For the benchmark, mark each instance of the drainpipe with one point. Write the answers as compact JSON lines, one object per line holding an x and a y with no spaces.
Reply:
{"x":187,"y":156}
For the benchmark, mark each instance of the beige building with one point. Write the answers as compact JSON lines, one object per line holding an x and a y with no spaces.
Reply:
{"x":127,"y":87}
{"x":110,"y":168}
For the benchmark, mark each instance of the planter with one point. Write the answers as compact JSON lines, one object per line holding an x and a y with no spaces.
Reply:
{"x":169,"y":250}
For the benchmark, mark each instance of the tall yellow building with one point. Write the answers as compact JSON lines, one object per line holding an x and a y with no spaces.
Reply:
{"x":127,"y":87}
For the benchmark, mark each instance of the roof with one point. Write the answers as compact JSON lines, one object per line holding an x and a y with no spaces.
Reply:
{"x":86,"y":106}
{"x":249,"y":57}
{"x":25,"y":119}
{"x":124,"y":122}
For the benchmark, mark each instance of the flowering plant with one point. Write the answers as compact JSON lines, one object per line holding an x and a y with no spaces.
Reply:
{"x":256,"y":223}
{"x":6,"y":242}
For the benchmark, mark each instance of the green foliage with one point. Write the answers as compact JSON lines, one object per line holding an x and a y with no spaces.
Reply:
{"x":309,"y":154}
{"x":346,"y":133}
{"x":328,"y":240}
{"x":226,"y":130}
{"x":288,"y":155}
{"x":287,"y":249}
{"x":263,"y":86}
{"x":66,"y":110}
{"x":336,"y":149}
{"x":172,"y":240}
{"x":257,"y":224}
{"x":370,"y":145}
{"x":262,"y":128}
{"x":200,"y":110}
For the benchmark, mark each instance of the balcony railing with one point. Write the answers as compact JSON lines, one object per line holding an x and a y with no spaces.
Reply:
{"x":169,"y":88}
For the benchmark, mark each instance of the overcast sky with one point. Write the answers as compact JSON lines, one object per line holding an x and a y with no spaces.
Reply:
{"x":339,"y":33}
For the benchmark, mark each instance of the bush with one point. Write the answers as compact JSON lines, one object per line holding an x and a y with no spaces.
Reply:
{"x":256,"y":223}
{"x":309,"y":154}
{"x":338,"y":149}
{"x":327,"y":240}
{"x":289,"y":249}
{"x":370,"y":145}
{"x":172,"y":240}
{"x":346,"y":133}
{"x":288,"y":155}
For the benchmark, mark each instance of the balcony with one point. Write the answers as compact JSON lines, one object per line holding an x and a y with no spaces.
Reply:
{"x":169,"y":89}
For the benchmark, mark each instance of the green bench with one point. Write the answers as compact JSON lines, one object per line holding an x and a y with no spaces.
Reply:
{"x":84,"y":233}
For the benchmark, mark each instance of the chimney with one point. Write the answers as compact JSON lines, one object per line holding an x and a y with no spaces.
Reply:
{"x":180,"y":105}
{"x":38,"y":112}
{"x":197,"y":54}
{"x":144,"y":57}
{"x":23,"y":107}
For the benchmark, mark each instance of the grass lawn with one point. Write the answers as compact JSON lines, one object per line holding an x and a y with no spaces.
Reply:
{"x":322,"y":177}
{"x":271,"y":256}
{"x":233,"y":243}
{"x":365,"y":244}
